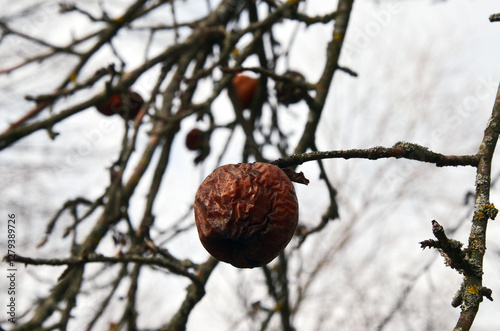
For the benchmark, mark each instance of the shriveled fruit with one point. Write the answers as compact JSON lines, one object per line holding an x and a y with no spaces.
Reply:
{"x":194,"y":139}
{"x":290,"y":92}
{"x":127,"y":105}
{"x":245,"y":87}
{"x":133,"y":103}
{"x":246,"y":213}
{"x":110,"y":106}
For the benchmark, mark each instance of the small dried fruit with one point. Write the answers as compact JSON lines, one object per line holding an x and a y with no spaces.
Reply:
{"x":290,"y":92}
{"x":129,"y":102}
{"x":110,"y":106}
{"x":246,"y":213}
{"x":194,"y":139}
{"x":197,"y":140}
{"x":245,"y":87}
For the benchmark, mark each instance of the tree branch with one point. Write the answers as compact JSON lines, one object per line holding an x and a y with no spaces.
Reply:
{"x":495,"y":17}
{"x":173,"y":266}
{"x":334,"y":48}
{"x":471,"y":289}
{"x":399,"y":150}
{"x":195,"y":293}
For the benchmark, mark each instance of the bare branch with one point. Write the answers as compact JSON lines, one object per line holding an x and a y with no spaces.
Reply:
{"x":399,"y":150}
{"x":472,"y":285}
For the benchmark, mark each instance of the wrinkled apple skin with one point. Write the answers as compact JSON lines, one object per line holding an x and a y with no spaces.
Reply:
{"x":246,"y":213}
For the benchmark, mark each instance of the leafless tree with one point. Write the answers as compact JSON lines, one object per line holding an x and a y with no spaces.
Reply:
{"x":120,"y":252}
